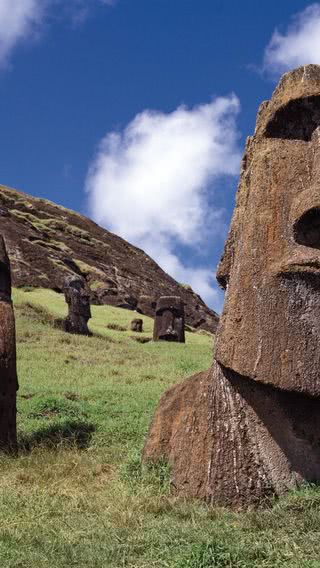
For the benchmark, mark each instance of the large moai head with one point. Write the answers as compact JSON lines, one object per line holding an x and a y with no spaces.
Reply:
{"x":250,"y":426}
{"x":169,"y":320}
{"x":270,"y":326}
{"x":78,"y":301}
{"x":8,"y":369}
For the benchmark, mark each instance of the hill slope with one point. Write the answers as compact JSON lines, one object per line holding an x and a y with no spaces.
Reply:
{"x":77,"y":495}
{"x":46,"y":242}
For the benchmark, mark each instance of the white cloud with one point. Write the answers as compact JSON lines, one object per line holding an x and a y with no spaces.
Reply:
{"x":201,"y":279}
{"x":19,"y":19}
{"x":151,"y":183}
{"x":22,"y":19}
{"x":300,"y":44}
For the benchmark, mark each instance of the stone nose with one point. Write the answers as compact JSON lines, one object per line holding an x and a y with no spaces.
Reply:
{"x":303,"y":253}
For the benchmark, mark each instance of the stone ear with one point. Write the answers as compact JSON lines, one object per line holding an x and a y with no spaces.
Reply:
{"x":295,"y":120}
{"x":223,"y":273}
{"x":226,"y":261}
{"x":5,"y":275}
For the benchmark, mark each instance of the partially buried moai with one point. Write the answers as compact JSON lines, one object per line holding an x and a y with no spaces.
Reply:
{"x":78,"y":300}
{"x":169,"y":319}
{"x":8,"y":368}
{"x":137,"y":325}
{"x":250,"y":426}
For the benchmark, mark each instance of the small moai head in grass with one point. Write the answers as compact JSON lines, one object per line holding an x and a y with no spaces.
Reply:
{"x":169,"y":320}
{"x":137,"y":325}
{"x":8,"y":369}
{"x":78,"y":300}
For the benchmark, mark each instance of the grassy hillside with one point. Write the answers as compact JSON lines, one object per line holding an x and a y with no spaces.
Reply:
{"x":47,"y":242}
{"x":77,"y":496}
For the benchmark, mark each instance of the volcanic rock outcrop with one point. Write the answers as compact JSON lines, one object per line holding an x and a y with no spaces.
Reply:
{"x":147,"y":305}
{"x":250,"y":426}
{"x":78,"y":301}
{"x":169,"y":320}
{"x":46,"y":243}
{"x":8,"y":369}
{"x":137,"y":325}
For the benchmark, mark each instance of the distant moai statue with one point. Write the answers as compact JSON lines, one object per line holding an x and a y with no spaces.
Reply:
{"x":78,"y":301}
{"x":169,"y":320}
{"x":8,"y":368}
{"x":249,"y":427}
{"x":137,"y":325}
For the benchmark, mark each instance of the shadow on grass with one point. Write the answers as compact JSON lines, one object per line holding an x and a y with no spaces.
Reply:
{"x":69,"y":433}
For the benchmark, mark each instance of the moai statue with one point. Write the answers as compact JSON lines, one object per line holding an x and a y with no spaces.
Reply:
{"x":137,"y":325}
{"x":8,"y":369}
{"x":78,"y":301}
{"x":169,"y":320}
{"x":250,"y":426}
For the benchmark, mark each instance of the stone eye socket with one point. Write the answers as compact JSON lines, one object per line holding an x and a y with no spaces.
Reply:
{"x":297,"y":120}
{"x":306,"y":230}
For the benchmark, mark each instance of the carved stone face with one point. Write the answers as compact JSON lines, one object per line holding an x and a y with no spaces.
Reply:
{"x":77,"y":297}
{"x":169,"y":320}
{"x":270,"y":326}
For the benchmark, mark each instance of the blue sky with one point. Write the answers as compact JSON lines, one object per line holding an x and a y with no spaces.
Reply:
{"x":135,"y":112}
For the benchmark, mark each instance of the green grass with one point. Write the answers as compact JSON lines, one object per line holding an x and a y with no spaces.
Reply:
{"x":77,"y":495}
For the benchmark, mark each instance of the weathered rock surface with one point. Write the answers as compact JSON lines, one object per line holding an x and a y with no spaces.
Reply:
{"x":8,"y":369}
{"x":78,"y":300}
{"x":47,"y":242}
{"x":169,"y":320}
{"x":249,"y":427}
{"x":146,"y":304}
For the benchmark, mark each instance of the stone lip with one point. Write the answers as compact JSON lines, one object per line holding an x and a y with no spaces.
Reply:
{"x":47,"y":242}
{"x":298,"y":264}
